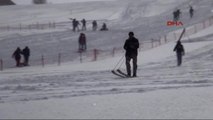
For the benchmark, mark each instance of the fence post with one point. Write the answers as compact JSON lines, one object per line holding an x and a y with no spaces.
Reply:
{"x":1,"y":65}
{"x":29,"y":26}
{"x":204,"y":24}
{"x":42,"y":27}
{"x":42,"y":60}
{"x":81,"y":60}
{"x":50,"y":25}
{"x":8,"y":28}
{"x":20,"y":26}
{"x":113,"y":52}
{"x":141,"y":46}
{"x":95,"y":54}
{"x":195,"y":29}
{"x":54,"y":25}
{"x":152,"y":43}
{"x":159,"y":41}
{"x":37,"y":25}
{"x":175,"y":36}
{"x":165,"y":38}
{"x":59,"y":59}
{"x":209,"y":22}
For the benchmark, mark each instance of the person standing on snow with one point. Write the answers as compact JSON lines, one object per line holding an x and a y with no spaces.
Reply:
{"x":26,"y":54}
{"x":131,"y":46}
{"x":84,"y":22}
{"x":179,"y":49}
{"x":94,"y":25}
{"x":73,"y":25}
{"x":77,"y":25}
{"x":17,"y":56}
{"x":82,"y":42}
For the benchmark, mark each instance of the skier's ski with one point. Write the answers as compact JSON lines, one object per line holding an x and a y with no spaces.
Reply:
{"x":122,"y":73}
{"x":182,"y":34}
{"x":117,"y":74}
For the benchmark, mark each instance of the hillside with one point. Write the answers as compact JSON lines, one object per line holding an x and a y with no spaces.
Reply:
{"x":121,"y":18}
{"x":88,"y":90}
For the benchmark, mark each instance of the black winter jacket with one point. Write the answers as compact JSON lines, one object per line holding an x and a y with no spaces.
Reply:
{"x":179,"y":48}
{"x":131,"y":46}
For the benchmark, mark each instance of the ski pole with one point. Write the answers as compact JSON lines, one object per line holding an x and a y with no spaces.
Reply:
{"x":119,"y":62}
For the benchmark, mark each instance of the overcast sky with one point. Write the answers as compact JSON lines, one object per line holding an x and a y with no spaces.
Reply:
{"x":51,"y":1}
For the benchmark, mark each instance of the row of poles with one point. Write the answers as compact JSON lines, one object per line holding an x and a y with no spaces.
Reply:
{"x":37,"y":26}
{"x":49,"y":25}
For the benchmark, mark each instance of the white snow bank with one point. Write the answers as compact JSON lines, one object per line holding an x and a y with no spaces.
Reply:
{"x":185,"y":103}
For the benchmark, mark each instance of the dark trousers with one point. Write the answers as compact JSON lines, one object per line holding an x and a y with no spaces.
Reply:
{"x":179,"y":59}
{"x":82,"y":47}
{"x":84,"y":28}
{"x":26,"y":60}
{"x":18,"y":62}
{"x":128,"y":66}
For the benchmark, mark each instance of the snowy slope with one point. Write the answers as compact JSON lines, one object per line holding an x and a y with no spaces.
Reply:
{"x":74,"y":91}
{"x":89,"y":90}
{"x":121,"y":18}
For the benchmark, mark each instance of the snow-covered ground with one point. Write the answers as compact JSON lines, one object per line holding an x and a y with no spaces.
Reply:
{"x":89,"y":90}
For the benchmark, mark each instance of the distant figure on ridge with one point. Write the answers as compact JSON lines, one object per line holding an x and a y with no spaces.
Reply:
{"x":104,"y":27}
{"x":84,"y":22}
{"x":191,"y":11}
{"x":94,"y":25}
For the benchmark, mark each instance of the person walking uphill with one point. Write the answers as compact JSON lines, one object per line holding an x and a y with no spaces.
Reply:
{"x":131,"y":46}
{"x":179,"y":49}
{"x":17,"y":56}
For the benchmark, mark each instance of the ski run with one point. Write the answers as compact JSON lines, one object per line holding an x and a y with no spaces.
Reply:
{"x":89,"y":90}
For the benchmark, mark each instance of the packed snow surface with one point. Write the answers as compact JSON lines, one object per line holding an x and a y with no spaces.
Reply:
{"x":89,"y":90}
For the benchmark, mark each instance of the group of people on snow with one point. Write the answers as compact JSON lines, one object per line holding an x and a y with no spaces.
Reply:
{"x":76,"y":24}
{"x":17,"y":55}
{"x":82,"y":38}
{"x":177,"y":13}
{"x":131,"y":46}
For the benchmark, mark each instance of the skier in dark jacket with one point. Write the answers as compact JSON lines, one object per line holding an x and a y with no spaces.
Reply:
{"x":104,"y":27}
{"x":82,"y":42}
{"x":94,"y":25}
{"x":131,"y":46}
{"x":73,"y":24}
{"x":191,"y":11}
{"x":179,"y":49}
{"x":84,"y":22}
{"x":17,"y":56}
{"x":26,"y":53}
